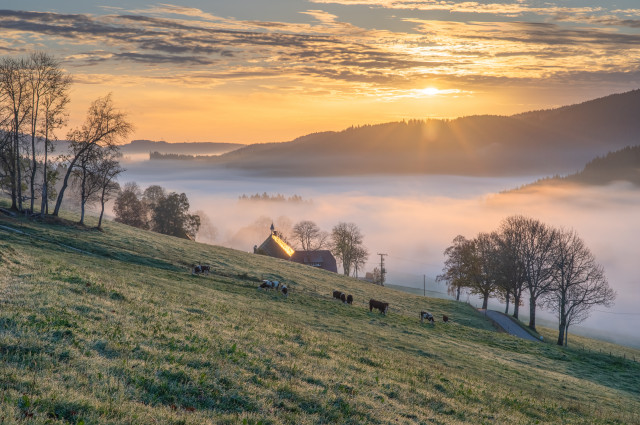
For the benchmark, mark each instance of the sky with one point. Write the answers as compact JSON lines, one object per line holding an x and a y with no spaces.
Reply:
{"x":253,"y":71}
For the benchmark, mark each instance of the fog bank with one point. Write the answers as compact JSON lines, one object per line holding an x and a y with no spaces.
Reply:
{"x":414,"y":218}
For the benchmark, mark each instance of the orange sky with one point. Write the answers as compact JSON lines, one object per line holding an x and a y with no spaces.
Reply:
{"x":194,"y":72}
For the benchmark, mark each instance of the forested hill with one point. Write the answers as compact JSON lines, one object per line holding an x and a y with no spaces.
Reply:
{"x":187,"y":148}
{"x":622,"y":165}
{"x":549,"y":141}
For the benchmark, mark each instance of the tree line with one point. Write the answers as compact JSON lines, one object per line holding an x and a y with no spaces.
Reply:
{"x":34,"y":95}
{"x":157,"y":210}
{"x":554,"y":267}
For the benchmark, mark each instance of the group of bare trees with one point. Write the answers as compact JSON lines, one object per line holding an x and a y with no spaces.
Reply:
{"x":34,"y":94}
{"x":157,"y":210}
{"x":345,"y":242}
{"x":553,"y":266}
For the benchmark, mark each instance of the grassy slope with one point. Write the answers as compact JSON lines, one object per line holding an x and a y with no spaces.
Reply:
{"x":125,"y":335}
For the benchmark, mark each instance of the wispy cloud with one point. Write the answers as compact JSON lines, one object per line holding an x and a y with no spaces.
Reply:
{"x":185,"y":44}
{"x":507,"y":9}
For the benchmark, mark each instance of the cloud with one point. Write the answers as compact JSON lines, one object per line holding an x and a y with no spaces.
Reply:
{"x":505,"y":9}
{"x":328,"y":54}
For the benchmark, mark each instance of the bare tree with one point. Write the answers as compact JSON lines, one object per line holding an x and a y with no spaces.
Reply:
{"x":14,"y":103}
{"x":104,"y":127}
{"x":309,"y":236}
{"x":54,"y":116}
{"x":207,"y":232}
{"x":454,"y":266}
{"x":579,"y":283}
{"x":360,"y":257}
{"x":536,"y":252}
{"x":482,"y":267}
{"x":104,"y":172}
{"x":83,"y":178}
{"x":346,"y":239}
{"x":511,"y":280}
{"x":48,"y":86}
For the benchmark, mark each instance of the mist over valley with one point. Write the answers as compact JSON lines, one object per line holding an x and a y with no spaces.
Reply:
{"x":414,"y":218}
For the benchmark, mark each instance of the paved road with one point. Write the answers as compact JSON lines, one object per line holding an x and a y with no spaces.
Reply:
{"x":508,"y":325}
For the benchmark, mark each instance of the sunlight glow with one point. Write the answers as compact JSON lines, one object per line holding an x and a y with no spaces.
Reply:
{"x":430,"y":91}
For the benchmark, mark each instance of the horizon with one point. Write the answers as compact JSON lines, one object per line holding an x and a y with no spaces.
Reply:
{"x":250,"y":72}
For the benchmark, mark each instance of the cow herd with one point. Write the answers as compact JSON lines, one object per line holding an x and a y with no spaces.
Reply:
{"x":382,"y":307}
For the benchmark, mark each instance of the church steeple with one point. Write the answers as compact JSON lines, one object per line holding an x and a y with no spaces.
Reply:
{"x":273,"y":229}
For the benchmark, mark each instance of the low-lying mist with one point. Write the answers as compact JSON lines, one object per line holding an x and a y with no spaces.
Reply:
{"x":414,"y":218}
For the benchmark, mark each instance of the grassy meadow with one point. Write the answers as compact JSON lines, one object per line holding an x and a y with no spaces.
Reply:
{"x":111,"y":328}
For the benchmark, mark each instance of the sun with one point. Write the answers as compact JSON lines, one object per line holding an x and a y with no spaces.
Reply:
{"x":430,"y":91}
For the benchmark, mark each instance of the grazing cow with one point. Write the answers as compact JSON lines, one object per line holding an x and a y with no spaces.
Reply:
{"x":198,"y":269}
{"x":349,"y":299}
{"x":445,"y":318}
{"x":285,"y":290}
{"x":383,"y":307}
{"x":337,"y":295}
{"x":343,"y":297}
{"x":266,"y":284}
{"x":426,"y":315}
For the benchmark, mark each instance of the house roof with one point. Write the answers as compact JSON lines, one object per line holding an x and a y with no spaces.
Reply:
{"x":320,"y":258}
{"x":274,"y":246}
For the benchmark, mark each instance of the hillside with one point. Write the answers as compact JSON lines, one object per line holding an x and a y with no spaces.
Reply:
{"x":619,"y":166}
{"x":536,"y":142}
{"x":112,"y":328}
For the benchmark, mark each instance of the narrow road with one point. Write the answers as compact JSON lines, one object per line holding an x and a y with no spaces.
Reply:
{"x":507,"y":324}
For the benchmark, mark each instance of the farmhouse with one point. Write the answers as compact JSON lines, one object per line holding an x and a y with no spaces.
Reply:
{"x":275,"y":246}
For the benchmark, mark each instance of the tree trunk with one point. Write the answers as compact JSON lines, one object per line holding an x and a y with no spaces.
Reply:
{"x":532,"y":313}
{"x":83,"y":198}
{"x":566,"y":335}
{"x":458,"y":293}
{"x":561,"y":331}
{"x":101,"y":212}
{"x":34,"y":165}
{"x":506,"y":310}
{"x":485,"y":301}
{"x":65,"y":183}
{"x":14,"y":191}
{"x":45,"y":195}
{"x":516,"y":305}
{"x":18,"y":173}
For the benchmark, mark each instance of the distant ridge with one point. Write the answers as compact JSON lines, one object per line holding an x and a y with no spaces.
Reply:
{"x":538,"y":142}
{"x":619,"y":166}
{"x":187,"y":148}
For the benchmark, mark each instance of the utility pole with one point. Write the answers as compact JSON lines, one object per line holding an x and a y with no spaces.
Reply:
{"x":383,"y":271}
{"x":424,"y":284}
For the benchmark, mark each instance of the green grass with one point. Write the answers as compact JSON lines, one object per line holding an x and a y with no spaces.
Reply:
{"x":117,"y":331}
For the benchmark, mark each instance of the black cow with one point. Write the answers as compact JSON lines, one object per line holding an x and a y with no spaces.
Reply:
{"x":383,"y":307}
{"x":426,"y":315}
{"x":285,"y":290}
{"x":445,"y":318}
{"x":349,"y":299}
{"x":198,"y":269}
{"x":343,"y":297}
{"x":337,"y":295}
